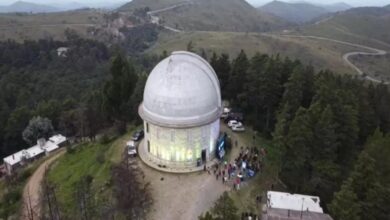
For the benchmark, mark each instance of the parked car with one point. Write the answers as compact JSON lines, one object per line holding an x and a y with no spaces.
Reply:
{"x":238,"y":128}
{"x":226,"y":110}
{"x":232,"y":123}
{"x":234,"y":116}
{"x":224,"y":115}
{"x":137,"y":136}
{"x":131,"y":148}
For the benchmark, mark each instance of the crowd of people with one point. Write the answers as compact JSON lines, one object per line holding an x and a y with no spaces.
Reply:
{"x":248,"y":163}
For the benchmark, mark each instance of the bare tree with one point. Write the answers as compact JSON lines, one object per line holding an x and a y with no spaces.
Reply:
{"x":132,"y":195}
{"x":85,"y":198}
{"x":50,"y":206}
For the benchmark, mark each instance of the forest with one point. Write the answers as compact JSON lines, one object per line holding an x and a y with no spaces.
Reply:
{"x":331,"y":131}
{"x":34,"y":80}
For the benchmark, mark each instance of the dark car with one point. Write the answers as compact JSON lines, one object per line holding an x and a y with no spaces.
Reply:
{"x":138,"y":135}
{"x":238,"y":116}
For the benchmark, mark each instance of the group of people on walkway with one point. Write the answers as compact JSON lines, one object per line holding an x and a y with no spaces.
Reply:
{"x":246,"y":165}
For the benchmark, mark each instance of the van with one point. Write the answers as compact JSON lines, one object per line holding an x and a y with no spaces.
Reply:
{"x":132,"y":148}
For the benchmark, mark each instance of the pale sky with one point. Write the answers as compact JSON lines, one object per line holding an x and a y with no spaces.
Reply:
{"x":255,"y":2}
{"x":354,"y":3}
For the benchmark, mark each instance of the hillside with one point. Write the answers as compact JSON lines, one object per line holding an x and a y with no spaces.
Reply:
{"x":152,"y":4}
{"x":22,"y":27}
{"x":294,"y":12}
{"x":320,"y":54}
{"x":367,"y":25}
{"x":341,"y":6}
{"x":28,"y":7}
{"x":211,"y":15}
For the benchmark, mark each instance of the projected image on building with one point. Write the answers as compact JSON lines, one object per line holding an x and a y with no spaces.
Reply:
{"x":182,"y":145}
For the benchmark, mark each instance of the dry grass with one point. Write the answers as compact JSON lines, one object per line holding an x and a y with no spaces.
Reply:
{"x":320,"y":54}
{"x":376,"y":66}
{"x":21,"y":27}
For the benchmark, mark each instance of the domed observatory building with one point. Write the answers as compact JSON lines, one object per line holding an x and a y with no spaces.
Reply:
{"x":181,"y":110}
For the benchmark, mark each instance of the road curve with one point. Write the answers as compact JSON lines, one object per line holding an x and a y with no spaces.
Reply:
{"x":32,"y":190}
{"x":152,"y":14}
{"x":169,"y":7}
{"x":375,"y":52}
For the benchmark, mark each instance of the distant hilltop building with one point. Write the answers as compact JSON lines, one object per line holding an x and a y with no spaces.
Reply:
{"x":288,"y":206}
{"x":181,"y":110}
{"x":42,"y":147}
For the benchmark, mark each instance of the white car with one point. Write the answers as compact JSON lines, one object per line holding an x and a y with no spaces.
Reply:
{"x":232,"y":123}
{"x":131,"y":148}
{"x":238,"y":128}
{"x":226,"y":110}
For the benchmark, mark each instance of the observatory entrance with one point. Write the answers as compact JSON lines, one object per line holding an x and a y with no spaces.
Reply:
{"x":204,"y":156}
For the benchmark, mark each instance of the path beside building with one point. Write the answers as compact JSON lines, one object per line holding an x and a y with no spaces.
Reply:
{"x":32,"y":190}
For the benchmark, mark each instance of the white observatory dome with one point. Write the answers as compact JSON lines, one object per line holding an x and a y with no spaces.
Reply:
{"x":181,"y":91}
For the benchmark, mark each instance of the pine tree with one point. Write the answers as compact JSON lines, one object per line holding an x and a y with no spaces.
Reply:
{"x":214,"y":62}
{"x":236,"y":81}
{"x":249,"y":99}
{"x":207,"y":216}
{"x":295,"y":169}
{"x":224,"y":208}
{"x":222,"y":68}
{"x":117,"y":91}
{"x":325,"y":174}
{"x":363,"y":175}
{"x":345,"y":205}
{"x":269,"y":92}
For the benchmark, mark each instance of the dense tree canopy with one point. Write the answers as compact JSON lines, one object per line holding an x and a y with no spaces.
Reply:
{"x":319,"y":123}
{"x":35,"y":81}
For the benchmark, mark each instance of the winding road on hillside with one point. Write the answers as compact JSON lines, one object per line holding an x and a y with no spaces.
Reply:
{"x":152,"y":14}
{"x":32,"y":190}
{"x":375,"y":52}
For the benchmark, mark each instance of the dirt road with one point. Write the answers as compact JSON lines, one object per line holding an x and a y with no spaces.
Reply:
{"x":31,"y":192}
{"x":375,"y":52}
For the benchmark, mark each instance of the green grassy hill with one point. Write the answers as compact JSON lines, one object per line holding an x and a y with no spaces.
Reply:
{"x":369,"y":26}
{"x":320,"y":54}
{"x":47,"y":25}
{"x":211,"y":15}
